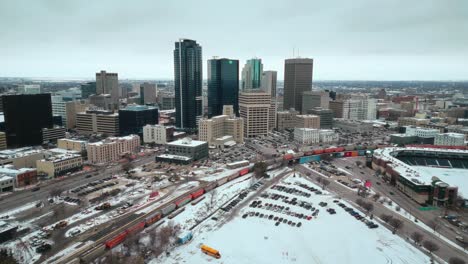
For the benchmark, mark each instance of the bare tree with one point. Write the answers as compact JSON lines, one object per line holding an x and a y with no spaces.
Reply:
{"x":369,"y":207}
{"x":376,"y":196}
{"x":386,"y":218}
{"x":58,"y":212}
{"x":434,"y":224}
{"x":396,"y":224}
{"x":417,"y":237}
{"x":325,"y":183}
{"x":359,"y":201}
{"x":319,"y":179}
{"x":456,"y":260}
{"x":358,"y":163}
{"x":259,"y":169}
{"x":127,"y":166}
{"x":55,"y":192}
{"x":430,"y":246}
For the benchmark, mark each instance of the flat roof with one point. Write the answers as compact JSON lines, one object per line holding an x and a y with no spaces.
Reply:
{"x":187,"y":142}
{"x":174,"y":157}
{"x":138,"y":108}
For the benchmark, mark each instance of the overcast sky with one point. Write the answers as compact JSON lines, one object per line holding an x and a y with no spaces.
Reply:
{"x":349,"y":40}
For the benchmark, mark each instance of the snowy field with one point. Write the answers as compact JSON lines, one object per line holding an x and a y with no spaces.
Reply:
{"x":454,"y":177}
{"x":326,"y":238}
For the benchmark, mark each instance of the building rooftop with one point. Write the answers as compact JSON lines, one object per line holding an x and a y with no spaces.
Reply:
{"x":187,"y":142}
{"x":111,"y":140}
{"x":138,"y":108}
{"x":174,"y":157}
{"x":11,"y":171}
{"x":62,"y":157}
{"x":19,"y":152}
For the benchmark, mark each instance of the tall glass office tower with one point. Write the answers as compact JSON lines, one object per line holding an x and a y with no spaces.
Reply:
{"x":188,"y":83}
{"x":252,"y":74}
{"x":223,"y":85}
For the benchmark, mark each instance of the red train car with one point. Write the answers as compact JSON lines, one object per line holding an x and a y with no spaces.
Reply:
{"x":330,"y":150}
{"x":244,"y":171}
{"x":288,"y":157}
{"x":136,"y":228}
{"x":318,"y":151}
{"x":111,"y":243}
{"x":348,"y":153}
{"x":340,"y":149}
{"x":197,"y":193}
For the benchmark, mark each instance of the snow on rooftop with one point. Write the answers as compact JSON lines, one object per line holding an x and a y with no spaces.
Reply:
{"x":187,"y":142}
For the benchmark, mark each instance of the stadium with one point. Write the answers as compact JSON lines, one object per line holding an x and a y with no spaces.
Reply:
{"x":428,"y":175}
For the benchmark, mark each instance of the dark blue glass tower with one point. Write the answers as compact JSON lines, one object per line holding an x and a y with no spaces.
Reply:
{"x":188,"y":84}
{"x":223,"y":85}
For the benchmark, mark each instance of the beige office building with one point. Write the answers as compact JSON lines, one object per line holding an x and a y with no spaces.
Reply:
{"x":256,"y":110}
{"x":72,"y":144}
{"x":412,"y":121}
{"x":112,"y":149}
{"x":108,"y":83}
{"x":3,"y":143}
{"x":59,"y":165}
{"x":286,"y":119}
{"x":307,"y":121}
{"x":213,"y":129}
{"x":97,"y":122}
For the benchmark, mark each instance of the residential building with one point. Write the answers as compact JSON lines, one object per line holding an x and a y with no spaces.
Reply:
{"x":252,"y":75}
{"x":97,"y":122}
{"x":211,"y":130}
{"x":112,"y":148}
{"x":188,"y":83}
{"x":421,"y":131}
{"x":326,"y":116}
{"x":147,"y":93}
{"x":55,"y":166}
{"x":450,"y":139}
{"x":297,"y":80}
{"x":29,"y":89}
{"x":3,"y":143}
{"x":133,"y":118}
{"x":88,"y":89}
{"x":269,"y":80}
{"x":25,"y":117}
{"x":307,"y":121}
{"x":312,"y":99}
{"x":286,"y":119}
{"x":256,"y":110}
{"x":223,"y":85}
{"x":72,"y":144}
{"x":108,"y":83}
{"x":21,"y":177}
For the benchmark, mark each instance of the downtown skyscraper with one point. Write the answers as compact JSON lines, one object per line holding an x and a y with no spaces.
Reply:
{"x":108,"y":83}
{"x":297,"y":80}
{"x":223,"y":85}
{"x":188,"y":83}
{"x":252,"y":74}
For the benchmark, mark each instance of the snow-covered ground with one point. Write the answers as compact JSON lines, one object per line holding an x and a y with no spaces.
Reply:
{"x":338,"y":238}
{"x":18,"y":210}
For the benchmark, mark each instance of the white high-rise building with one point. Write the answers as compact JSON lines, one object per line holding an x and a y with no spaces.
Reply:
{"x":158,"y":134}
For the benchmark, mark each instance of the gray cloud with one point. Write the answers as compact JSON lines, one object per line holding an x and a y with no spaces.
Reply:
{"x":360,"y":39}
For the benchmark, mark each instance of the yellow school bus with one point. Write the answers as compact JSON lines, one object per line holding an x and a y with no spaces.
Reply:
{"x":210,"y":251}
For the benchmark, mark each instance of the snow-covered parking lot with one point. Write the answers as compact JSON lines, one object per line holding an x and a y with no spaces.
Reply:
{"x":326,"y":238}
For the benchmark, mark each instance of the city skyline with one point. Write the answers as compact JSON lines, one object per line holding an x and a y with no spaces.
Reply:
{"x":408,"y":41}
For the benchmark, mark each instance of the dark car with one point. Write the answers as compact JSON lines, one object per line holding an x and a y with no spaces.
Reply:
{"x":35,"y":189}
{"x":88,"y":176}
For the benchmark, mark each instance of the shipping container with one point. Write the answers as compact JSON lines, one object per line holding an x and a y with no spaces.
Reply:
{"x":168,"y":209}
{"x":183,"y":201}
{"x":361,"y":152}
{"x":197,"y":193}
{"x":354,"y":153}
{"x":184,"y":237}
{"x":340,"y":149}
{"x":116,"y":240}
{"x":338,"y":154}
{"x":309,"y":159}
{"x":329,"y":150}
{"x":359,"y":147}
{"x":348,"y":154}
